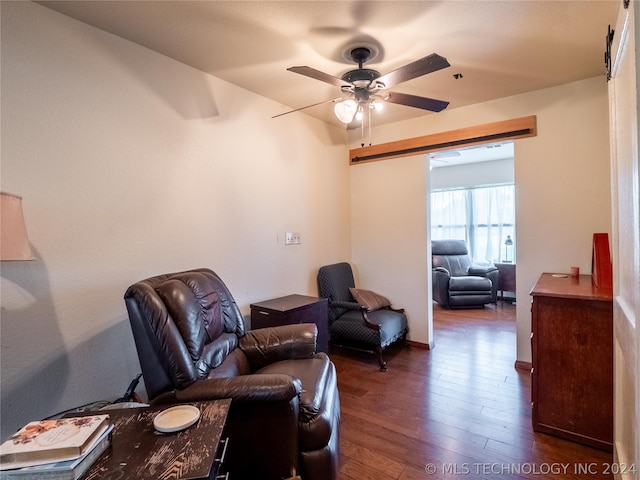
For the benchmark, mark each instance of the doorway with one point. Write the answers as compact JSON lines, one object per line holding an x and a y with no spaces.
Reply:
{"x":471,"y":197}
{"x":389,"y":215}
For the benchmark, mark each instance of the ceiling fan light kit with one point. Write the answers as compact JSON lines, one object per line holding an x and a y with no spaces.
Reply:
{"x":345,"y":110}
{"x":377,"y":105}
{"x":364,"y":87}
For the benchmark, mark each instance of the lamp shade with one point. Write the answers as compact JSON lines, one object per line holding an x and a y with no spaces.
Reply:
{"x":14,"y":243}
{"x":345,"y":110}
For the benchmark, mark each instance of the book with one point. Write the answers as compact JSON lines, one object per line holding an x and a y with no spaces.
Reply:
{"x":47,"y":441}
{"x":64,"y":470}
{"x":601,"y":268}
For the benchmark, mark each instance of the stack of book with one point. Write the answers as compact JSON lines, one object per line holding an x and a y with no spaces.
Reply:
{"x":61,"y":449}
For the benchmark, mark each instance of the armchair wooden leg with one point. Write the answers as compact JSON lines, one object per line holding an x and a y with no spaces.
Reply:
{"x":383,"y":364}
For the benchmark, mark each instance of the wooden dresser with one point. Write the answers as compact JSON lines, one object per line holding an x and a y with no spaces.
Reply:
{"x":572,"y":360}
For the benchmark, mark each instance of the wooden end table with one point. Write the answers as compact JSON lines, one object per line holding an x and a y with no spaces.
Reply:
{"x":139,"y":452}
{"x":294,"y":309}
{"x":507,"y":280}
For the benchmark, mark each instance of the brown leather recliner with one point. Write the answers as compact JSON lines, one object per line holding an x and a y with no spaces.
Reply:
{"x":192,"y":345}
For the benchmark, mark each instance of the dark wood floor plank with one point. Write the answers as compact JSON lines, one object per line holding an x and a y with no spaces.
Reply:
{"x":461,"y":409}
{"x":378,"y":461}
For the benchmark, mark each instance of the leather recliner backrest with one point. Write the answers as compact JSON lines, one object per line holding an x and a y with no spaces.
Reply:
{"x":184,"y":324}
{"x":452,"y":255}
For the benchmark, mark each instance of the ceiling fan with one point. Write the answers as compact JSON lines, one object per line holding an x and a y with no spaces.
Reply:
{"x":364,"y":87}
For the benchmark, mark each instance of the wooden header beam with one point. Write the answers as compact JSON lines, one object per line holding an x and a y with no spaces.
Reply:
{"x":488,"y":133}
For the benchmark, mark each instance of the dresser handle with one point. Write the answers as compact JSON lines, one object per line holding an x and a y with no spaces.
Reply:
{"x":223,"y":477}
{"x":263,"y":313}
{"x":224,"y":451}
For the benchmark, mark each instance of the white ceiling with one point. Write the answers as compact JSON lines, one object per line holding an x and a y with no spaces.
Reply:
{"x":481,"y":153}
{"x":501,"y":48}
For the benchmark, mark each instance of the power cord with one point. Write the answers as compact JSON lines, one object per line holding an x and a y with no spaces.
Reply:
{"x":130,"y":393}
{"x":128,"y":396}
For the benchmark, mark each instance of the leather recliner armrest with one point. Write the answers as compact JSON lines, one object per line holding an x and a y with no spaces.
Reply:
{"x":265,"y":346}
{"x":481,"y":270}
{"x":245,"y":388}
{"x":263,"y":421}
{"x":492,"y":273}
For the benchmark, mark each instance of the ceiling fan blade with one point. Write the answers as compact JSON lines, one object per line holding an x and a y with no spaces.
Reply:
{"x":417,"y":102}
{"x":428,"y":64}
{"x":318,"y":75}
{"x":308,"y":106}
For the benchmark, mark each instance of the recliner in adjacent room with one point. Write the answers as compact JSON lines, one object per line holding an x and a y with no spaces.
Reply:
{"x":457,"y":282}
{"x":192,"y":345}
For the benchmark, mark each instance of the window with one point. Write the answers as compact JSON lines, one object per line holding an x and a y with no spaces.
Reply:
{"x":483,"y":216}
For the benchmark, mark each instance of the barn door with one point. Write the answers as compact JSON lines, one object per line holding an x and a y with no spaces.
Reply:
{"x":623,"y":109}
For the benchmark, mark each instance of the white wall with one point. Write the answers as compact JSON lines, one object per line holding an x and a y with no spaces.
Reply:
{"x":562,"y":187}
{"x":131,"y":165}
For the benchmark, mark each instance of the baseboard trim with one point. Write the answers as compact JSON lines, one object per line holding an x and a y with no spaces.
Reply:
{"x":520,"y":365}
{"x":424,"y":346}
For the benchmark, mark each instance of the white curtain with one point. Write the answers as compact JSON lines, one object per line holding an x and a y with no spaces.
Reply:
{"x":482,"y":216}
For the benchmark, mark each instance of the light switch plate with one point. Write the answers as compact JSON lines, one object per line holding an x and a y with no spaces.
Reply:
{"x":292,"y":238}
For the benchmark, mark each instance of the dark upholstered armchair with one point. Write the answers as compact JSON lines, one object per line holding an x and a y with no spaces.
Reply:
{"x":192,"y":345}
{"x":457,"y":283}
{"x":370,"y":327}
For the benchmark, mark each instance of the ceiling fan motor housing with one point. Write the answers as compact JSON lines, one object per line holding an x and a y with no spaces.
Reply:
{"x":361,"y":77}
{"x":361,"y":95}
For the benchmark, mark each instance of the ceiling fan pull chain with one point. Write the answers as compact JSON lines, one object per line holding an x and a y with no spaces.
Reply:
{"x":369,"y":125}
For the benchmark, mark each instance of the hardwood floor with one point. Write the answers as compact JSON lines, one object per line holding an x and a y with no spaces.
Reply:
{"x":460,"y":410}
